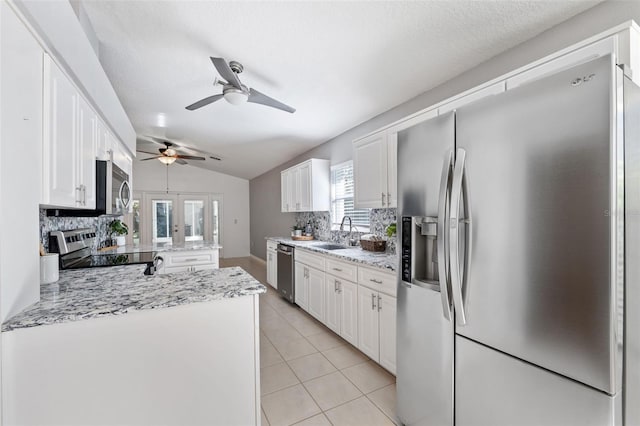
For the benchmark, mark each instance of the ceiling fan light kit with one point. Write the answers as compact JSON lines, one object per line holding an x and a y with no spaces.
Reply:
{"x":167,"y":160}
{"x":169,"y":155}
{"x":235,"y":96}
{"x":234,"y":91}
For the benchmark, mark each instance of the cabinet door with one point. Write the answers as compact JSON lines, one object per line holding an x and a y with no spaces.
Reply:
{"x":303,"y":187}
{"x":285,"y":191}
{"x":368,"y":322}
{"x":349,"y":312}
{"x":370,"y":171}
{"x":333,"y":302}
{"x":316,"y":293}
{"x":60,"y":154}
{"x":302,"y":286}
{"x":272,"y":265}
{"x":392,"y":170}
{"x":387,"y":317}
{"x":103,"y":143}
{"x":87,"y":154}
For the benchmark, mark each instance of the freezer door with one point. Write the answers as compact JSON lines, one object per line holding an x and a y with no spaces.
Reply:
{"x":541,"y":167}
{"x":424,"y":334}
{"x":494,"y":389}
{"x":424,"y":369}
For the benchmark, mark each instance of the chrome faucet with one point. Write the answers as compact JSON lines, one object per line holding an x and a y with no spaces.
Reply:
{"x":352,"y":241}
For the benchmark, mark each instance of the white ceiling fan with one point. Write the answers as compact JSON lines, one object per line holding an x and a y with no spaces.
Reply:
{"x":234,"y":92}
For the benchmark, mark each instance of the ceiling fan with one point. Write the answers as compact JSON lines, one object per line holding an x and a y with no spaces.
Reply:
{"x":235,"y":92}
{"x":169,"y":155}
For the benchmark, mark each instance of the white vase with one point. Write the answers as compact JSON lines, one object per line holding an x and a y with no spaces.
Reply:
{"x":121,"y":240}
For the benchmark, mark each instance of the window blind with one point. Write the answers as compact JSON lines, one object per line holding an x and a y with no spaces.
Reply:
{"x":342,"y":197}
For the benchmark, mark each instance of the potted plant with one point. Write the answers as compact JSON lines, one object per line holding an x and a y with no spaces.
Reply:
{"x":297,"y":231}
{"x":391,"y":230}
{"x":119,"y":230}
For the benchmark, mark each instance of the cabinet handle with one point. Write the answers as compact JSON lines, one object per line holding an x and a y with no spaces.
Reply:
{"x":388,"y":198}
{"x":373,"y":301}
{"x":337,"y":269}
{"x":383,"y":198}
{"x":191,"y":260}
{"x":379,"y":304}
{"x":84,"y":195}
{"x":287,"y":207}
{"x":78,"y":192}
{"x":336,"y":286}
{"x":373,"y":280}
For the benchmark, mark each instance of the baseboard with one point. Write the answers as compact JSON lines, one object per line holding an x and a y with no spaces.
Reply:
{"x":259,"y":259}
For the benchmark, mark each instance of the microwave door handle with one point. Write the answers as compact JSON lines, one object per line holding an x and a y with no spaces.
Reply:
{"x":441,"y":235}
{"x":125,"y":205}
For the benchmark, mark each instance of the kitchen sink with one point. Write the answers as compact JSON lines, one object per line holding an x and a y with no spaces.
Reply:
{"x":331,"y":247}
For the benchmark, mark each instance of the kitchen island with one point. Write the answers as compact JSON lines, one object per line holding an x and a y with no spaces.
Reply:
{"x":113,"y":346}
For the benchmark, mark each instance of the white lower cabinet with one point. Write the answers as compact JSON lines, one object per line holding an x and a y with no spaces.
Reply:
{"x":387,"y":322}
{"x":188,"y":261}
{"x":362,"y":313}
{"x":333,"y":303}
{"x":316,"y":293}
{"x":272,"y":264}
{"x":341,"y":308}
{"x":368,"y":323}
{"x":302,"y":286}
{"x":310,"y":289}
{"x":377,"y":327}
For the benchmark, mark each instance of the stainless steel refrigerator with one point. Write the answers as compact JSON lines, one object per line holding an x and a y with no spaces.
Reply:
{"x":515,"y":250}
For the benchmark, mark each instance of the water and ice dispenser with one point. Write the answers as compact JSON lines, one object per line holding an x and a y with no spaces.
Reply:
{"x":419,"y":250}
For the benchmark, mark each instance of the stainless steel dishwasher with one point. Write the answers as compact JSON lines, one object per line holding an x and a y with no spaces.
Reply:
{"x":286,"y":273}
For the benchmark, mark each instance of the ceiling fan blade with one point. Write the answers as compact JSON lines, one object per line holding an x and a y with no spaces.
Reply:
{"x":152,"y":158}
{"x":260,"y":98}
{"x":204,"y":102}
{"x":181,"y":162}
{"x":190,"y":157}
{"x":147,"y":152}
{"x":226,"y":72}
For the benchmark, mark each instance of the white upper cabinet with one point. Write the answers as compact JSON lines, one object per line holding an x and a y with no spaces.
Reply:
{"x":306,"y":187}
{"x":87,"y":119}
{"x":60,"y":154}
{"x":374,"y":168}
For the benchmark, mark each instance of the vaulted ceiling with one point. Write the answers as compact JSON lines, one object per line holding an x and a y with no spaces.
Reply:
{"x":338,"y":63}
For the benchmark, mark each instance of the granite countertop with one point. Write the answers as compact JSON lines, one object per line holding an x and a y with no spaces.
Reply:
{"x":82,"y":294}
{"x":162,"y":247}
{"x":354,"y":254}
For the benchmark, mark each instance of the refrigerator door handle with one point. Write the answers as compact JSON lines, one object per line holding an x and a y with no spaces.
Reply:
{"x":459,"y":191}
{"x":442,"y":243}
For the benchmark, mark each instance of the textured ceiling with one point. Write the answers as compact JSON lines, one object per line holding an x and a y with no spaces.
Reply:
{"x":338,"y":63}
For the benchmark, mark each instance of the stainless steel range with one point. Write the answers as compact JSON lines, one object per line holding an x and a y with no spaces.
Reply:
{"x":76,"y":246}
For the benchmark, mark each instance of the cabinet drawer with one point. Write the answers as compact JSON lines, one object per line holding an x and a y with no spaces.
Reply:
{"x":272,"y":245}
{"x":310,"y":259}
{"x":377,"y":280}
{"x":190,"y":258}
{"x":347,"y":271}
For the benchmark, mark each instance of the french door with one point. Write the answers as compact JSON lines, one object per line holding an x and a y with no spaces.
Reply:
{"x":178,"y":218}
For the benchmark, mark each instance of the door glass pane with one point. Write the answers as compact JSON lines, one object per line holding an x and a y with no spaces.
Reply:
{"x":162,"y":221}
{"x":193,"y":220}
{"x":136,"y":222}
{"x":215,"y":216}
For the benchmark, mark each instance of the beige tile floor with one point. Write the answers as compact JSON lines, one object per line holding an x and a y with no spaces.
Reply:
{"x":309,"y":375}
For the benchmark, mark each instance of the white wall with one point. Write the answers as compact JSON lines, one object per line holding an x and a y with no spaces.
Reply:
{"x":151,"y":176}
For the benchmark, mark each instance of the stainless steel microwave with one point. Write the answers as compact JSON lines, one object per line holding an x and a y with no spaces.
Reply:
{"x":113,"y":193}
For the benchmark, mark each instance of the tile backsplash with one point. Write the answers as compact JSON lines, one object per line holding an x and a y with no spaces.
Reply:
{"x":52,"y":223}
{"x":320,"y":222}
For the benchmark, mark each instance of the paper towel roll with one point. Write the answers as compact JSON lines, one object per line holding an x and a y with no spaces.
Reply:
{"x":49,"y":268}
